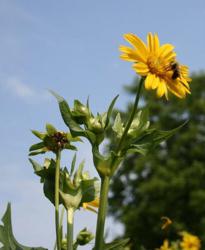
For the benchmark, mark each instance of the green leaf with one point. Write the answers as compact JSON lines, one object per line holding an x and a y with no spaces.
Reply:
{"x":51,"y":130}
{"x":90,"y":190}
{"x":73,"y":165}
{"x":118,"y":126}
{"x":69,"y":146}
{"x":37,"y":167}
{"x":38,"y":134}
{"x":39,"y":151}
{"x":75,"y":129}
{"x":47,"y":174}
{"x":109,"y":112}
{"x":37,"y":146}
{"x":6,"y":234}
{"x":150,"y":139}
{"x":78,"y":174}
{"x":72,"y":139}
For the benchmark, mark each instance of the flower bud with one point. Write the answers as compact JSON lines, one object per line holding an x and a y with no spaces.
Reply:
{"x":95,"y":125}
{"x":84,"y":237}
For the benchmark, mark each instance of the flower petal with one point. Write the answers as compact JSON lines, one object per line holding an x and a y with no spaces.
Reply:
{"x":141,"y":68}
{"x":150,"y":42}
{"x":165,"y":50}
{"x":162,"y":89}
{"x":156,"y":43}
{"x":156,"y":82}
{"x":137,"y":43}
{"x":149,"y":80}
{"x":132,"y":54}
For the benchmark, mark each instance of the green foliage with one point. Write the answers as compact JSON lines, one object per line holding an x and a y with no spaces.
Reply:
{"x":6,"y":234}
{"x":93,"y":128}
{"x":75,"y":188}
{"x":168,"y":181}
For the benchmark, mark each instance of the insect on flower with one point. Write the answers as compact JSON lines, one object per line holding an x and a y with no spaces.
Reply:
{"x":157,"y":63}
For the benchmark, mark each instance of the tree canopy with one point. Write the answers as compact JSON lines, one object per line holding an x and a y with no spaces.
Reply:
{"x":170,"y":180}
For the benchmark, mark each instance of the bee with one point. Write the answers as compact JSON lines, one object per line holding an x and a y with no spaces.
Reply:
{"x":174,"y":66}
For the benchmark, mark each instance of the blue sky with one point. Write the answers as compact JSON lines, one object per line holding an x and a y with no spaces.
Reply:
{"x":71,"y":47}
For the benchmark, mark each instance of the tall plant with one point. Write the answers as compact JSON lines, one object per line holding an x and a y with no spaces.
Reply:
{"x":159,"y":70}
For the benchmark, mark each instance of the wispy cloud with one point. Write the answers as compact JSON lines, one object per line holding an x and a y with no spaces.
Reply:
{"x":24,"y":91}
{"x":19,"y":88}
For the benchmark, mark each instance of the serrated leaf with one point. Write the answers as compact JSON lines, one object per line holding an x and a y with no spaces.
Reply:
{"x":7,"y":237}
{"x":109,"y":112}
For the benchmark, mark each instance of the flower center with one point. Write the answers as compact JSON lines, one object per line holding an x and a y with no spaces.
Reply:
{"x":157,"y":65}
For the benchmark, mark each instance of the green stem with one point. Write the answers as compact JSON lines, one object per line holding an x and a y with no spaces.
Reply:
{"x":131,"y":116}
{"x":70,"y":215}
{"x":99,"y":238}
{"x":114,"y":166}
{"x":61,"y":222}
{"x":57,"y":177}
{"x":75,"y":246}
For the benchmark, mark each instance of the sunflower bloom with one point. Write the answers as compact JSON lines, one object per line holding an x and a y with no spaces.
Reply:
{"x":190,"y":242}
{"x":91,"y":205}
{"x":158,"y":64}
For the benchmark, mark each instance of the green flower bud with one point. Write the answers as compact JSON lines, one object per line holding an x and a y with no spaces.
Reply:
{"x":95,"y":125}
{"x":64,"y":244}
{"x":84,"y":237}
{"x":80,"y":112}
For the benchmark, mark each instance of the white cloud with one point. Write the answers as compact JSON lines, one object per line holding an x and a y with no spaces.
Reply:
{"x":22,"y":90}
{"x":19,"y":88}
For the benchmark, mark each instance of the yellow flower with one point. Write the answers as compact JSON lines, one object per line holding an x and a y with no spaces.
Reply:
{"x":90,"y":205}
{"x":165,"y":245}
{"x":190,"y":242}
{"x":158,"y":64}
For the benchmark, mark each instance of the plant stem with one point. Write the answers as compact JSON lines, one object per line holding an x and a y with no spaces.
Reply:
{"x":99,"y":240}
{"x":70,"y":214}
{"x":129,"y":122}
{"x":61,"y":223}
{"x":57,"y":177}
